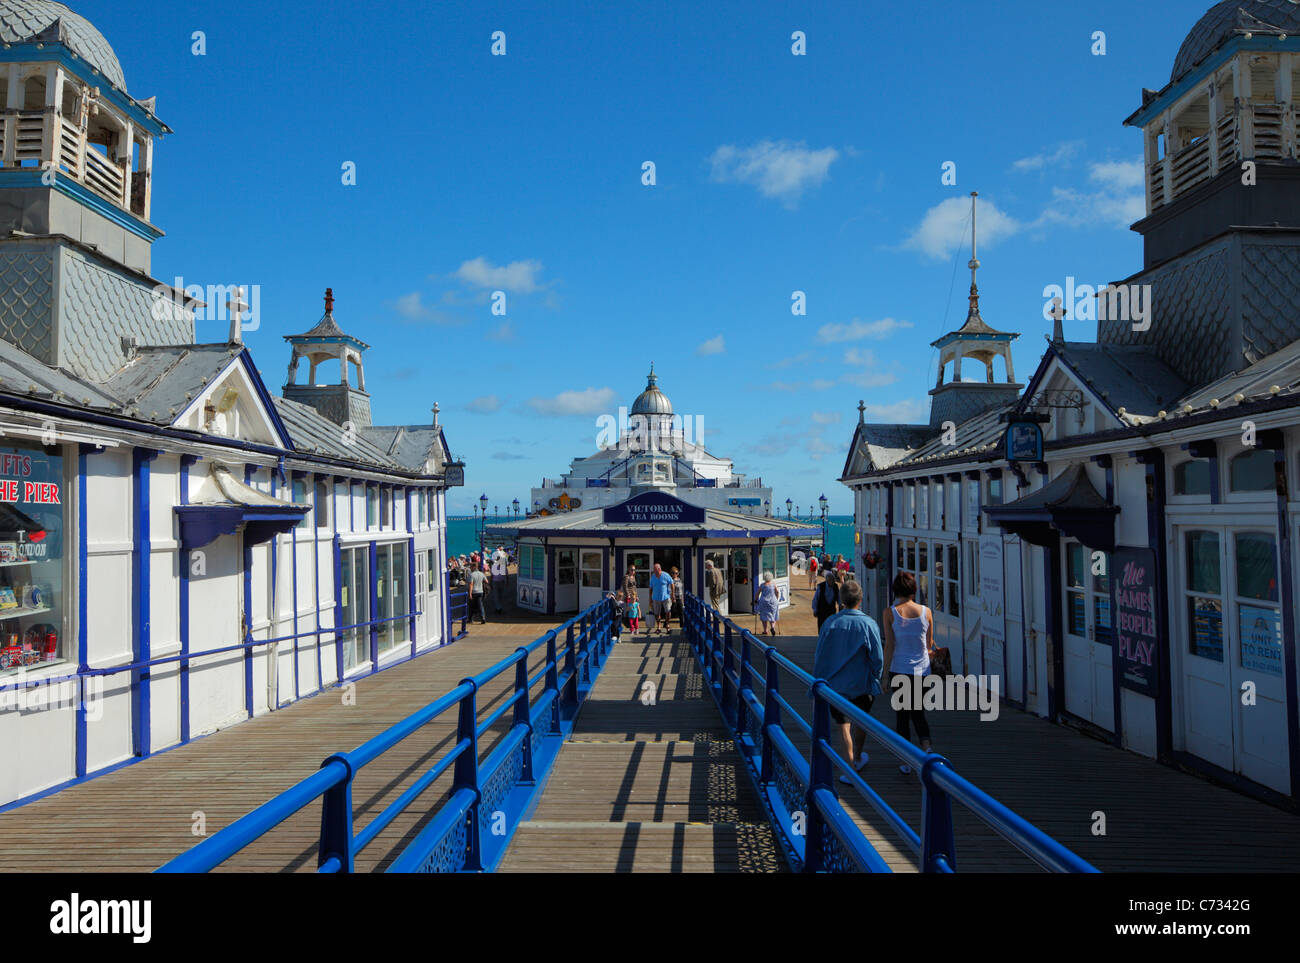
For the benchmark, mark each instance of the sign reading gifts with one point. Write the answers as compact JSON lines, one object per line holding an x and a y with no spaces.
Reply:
{"x":653,"y":508}
{"x":1136,"y":633}
{"x":21,"y":489}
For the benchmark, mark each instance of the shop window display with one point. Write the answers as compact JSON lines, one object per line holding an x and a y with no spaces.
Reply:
{"x":32,"y":546}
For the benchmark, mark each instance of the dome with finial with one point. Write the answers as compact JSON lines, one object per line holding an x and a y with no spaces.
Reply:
{"x":37,"y":21}
{"x":1234,"y":18}
{"x":652,"y":401}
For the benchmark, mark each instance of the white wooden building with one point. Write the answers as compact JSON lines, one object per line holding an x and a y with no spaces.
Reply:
{"x":1138,"y":577}
{"x":179,"y":549}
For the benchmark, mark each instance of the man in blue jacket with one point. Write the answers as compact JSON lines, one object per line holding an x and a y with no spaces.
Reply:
{"x":850,"y":658}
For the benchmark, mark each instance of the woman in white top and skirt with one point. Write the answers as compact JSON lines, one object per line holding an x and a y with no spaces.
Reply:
{"x":909,"y":641}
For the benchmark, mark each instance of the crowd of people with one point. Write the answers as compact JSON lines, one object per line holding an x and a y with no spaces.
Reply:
{"x":484,"y":576}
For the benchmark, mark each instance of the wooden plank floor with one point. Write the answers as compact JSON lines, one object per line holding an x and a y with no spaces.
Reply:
{"x":647,"y":788}
{"x":140,"y":816}
{"x":1158,"y":819}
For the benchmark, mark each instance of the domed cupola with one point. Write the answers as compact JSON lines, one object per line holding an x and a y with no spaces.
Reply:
{"x":652,"y":401}
{"x":1221,"y":172}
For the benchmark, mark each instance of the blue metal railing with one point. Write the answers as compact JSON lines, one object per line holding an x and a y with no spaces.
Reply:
{"x":799,"y":793}
{"x":487,"y":797}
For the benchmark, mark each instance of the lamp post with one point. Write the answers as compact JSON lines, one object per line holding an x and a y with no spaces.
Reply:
{"x":822,"y":501}
{"x":767,"y":508}
{"x":483,"y":502}
{"x":789,"y":507}
{"x":515,"y":507}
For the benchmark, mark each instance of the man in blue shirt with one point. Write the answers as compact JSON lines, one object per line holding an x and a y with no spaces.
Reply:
{"x":850,"y":658}
{"x":661,"y":589}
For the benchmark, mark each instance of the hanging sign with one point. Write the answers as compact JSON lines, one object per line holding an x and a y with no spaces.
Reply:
{"x":1136,"y":629}
{"x":1023,"y":441}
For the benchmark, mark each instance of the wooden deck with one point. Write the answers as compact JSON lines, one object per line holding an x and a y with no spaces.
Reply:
{"x":647,"y":788}
{"x":638,"y":787}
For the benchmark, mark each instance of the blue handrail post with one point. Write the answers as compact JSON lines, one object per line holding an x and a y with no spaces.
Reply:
{"x":584,"y":640}
{"x":553,"y":682}
{"x":522,"y":714}
{"x":746,"y":686}
{"x":570,"y":668}
{"x":466,"y":773}
{"x":820,"y":776}
{"x":771,"y":716}
{"x":728,"y":663}
{"x":936,"y":819}
{"x":336,"y":819}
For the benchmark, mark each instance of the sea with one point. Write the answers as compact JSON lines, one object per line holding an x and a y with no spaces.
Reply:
{"x":462,"y":535}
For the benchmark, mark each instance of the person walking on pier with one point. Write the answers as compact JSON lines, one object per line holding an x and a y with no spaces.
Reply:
{"x":826,"y":598}
{"x":713,"y":582}
{"x":850,"y":658}
{"x":633,"y":608}
{"x":629,"y":581}
{"x":661,"y":590}
{"x":478,"y":583}
{"x":812,"y":570}
{"x":498,"y":579}
{"x":676,"y":606}
{"x":909,"y":644}
{"x":767,"y":603}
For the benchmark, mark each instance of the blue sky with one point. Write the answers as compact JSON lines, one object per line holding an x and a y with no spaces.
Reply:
{"x":774,"y":173}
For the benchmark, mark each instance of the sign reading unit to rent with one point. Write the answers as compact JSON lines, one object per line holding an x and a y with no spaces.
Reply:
{"x":653,"y":508}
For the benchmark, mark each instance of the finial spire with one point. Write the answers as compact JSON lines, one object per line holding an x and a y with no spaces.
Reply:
{"x":862,"y":411}
{"x":974,"y":261}
{"x":651,"y":380}
{"x":436,"y":409}
{"x":1058,"y":312}
{"x":329,"y":300}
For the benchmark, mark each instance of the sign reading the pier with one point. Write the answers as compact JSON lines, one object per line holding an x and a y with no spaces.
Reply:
{"x":1136,"y":635}
{"x":653,"y":508}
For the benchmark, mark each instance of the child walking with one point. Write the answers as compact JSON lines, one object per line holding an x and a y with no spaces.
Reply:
{"x":633,"y":613}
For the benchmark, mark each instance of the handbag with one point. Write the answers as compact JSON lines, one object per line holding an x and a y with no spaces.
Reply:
{"x":940,"y":662}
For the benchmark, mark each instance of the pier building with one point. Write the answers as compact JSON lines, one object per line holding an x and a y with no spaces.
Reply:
{"x":180,"y":549}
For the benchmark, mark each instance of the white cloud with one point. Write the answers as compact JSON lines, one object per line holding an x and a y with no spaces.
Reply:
{"x":870,"y":379}
{"x":1064,"y":151}
{"x":791,"y":361}
{"x":712,"y":346}
{"x":519,"y":277}
{"x":825,"y":417}
{"x":945,"y":227}
{"x":484,"y":405}
{"x":857,"y":329}
{"x":780,"y":169}
{"x":821,"y":384}
{"x":1118,"y":175}
{"x":590,"y":401}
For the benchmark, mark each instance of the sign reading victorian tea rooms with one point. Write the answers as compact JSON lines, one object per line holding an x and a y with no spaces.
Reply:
{"x":653,"y":508}
{"x":1136,"y":634}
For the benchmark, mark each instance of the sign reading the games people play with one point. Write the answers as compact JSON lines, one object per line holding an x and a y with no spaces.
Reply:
{"x":1136,"y":633}
{"x":653,"y":508}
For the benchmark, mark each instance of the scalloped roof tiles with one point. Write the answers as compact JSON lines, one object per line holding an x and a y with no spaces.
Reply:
{"x":22,"y":20}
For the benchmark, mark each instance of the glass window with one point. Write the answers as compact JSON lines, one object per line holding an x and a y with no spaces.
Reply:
{"x":1205,"y":606}
{"x":322,"y":505}
{"x":937,"y":517}
{"x":1256,"y":566}
{"x":565,"y":566}
{"x":1075,"y":601}
{"x":1101,"y":602}
{"x":1252,"y":471}
{"x":354,"y":592}
{"x":954,"y":582}
{"x":33,"y":603}
{"x":299,"y":488}
{"x":401,"y":595}
{"x":911,"y":555}
{"x":1192,"y":477}
{"x":783,"y":562}
{"x":767,"y":562}
{"x":383,"y":596}
{"x":591,"y":569}
{"x":372,"y":507}
{"x":995,"y":491}
{"x":385,"y":507}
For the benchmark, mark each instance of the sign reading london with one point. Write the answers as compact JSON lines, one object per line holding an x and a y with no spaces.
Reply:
{"x":653,"y":508}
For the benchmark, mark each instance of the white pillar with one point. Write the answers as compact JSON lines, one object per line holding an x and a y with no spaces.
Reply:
{"x":14,"y":104}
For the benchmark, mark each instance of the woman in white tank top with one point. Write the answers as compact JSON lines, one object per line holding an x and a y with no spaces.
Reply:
{"x":909,"y":641}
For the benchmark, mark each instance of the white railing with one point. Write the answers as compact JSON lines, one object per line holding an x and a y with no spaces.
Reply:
{"x":103,"y":176}
{"x":1268,"y":132}
{"x":1192,"y":165}
{"x":29,"y":136}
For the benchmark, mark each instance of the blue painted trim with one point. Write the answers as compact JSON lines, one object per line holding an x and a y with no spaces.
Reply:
{"x":264,"y":396}
{"x":249,"y":471}
{"x":372,"y":551}
{"x":273,"y":616}
{"x":731,"y":534}
{"x":1288,"y":600}
{"x":83,"y":609}
{"x":1171,"y":94}
{"x":141,"y":564}
{"x":21,"y":178}
{"x":51,"y":50}
{"x":184,"y":607}
{"x":315,"y":576}
{"x":550,"y":580}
